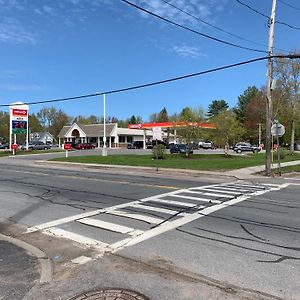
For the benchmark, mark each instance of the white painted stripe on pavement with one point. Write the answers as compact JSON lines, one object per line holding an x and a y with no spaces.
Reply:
{"x":157,"y":209}
{"x":216,"y":195}
{"x":228,"y":188}
{"x":147,"y":219}
{"x":170,"y":225}
{"x":106,"y":225}
{"x":176,"y":203}
{"x":197,"y":199}
{"x":63,"y":221}
{"x":76,"y":237}
{"x":222,"y":191}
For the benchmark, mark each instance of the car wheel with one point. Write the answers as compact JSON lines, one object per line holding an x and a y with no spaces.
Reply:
{"x":255,"y":151}
{"x":239,"y":151}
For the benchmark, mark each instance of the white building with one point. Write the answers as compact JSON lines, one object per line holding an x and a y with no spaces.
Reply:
{"x":115,"y":137}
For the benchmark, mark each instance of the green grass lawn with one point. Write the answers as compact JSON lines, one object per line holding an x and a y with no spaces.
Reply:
{"x":288,"y":169}
{"x":195,"y":162}
{"x":24,"y":152}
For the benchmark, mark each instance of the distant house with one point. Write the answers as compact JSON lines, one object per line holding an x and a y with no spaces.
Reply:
{"x":44,"y":137}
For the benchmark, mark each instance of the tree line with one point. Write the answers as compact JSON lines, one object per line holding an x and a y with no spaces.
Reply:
{"x":241,"y":122}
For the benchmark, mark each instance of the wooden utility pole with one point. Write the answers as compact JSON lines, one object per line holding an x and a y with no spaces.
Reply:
{"x":269,"y":106}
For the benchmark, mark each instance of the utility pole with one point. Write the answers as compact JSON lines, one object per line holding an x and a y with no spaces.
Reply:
{"x":259,"y":134}
{"x":269,"y":105}
{"x":104,"y":150}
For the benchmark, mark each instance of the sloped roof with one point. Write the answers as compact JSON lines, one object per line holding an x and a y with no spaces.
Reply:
{"x":91,"y":130}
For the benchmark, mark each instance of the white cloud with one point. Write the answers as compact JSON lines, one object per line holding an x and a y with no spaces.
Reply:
{"x":10,"y":73}
{"x":204,"y":10}
{"x":21,"y":88}
{"x":188,"y":51}
{"x":12,"y":31}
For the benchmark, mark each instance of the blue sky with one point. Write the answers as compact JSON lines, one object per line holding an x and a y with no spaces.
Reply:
{"x":61,"y":48}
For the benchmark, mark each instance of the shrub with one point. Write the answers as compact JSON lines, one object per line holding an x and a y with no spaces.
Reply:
{"x":282,"y":154}
{"x":159,"y":151}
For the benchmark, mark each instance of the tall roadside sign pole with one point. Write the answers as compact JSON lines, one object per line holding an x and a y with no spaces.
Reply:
{"x":269,"y":105}
{"x":104,"y":150}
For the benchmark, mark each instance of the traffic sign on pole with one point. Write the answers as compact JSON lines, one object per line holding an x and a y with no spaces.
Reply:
{"x":277,"y":130}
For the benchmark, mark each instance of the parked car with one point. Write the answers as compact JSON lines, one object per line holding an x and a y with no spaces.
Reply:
{"x":35,"y":146}
{"x":4,"y":146}
{"x":136,"y":145}
{"x":206,"y":145}
{"x":150,"y":145}
{"x":242,"y":147}
{"x":83,"y":146}
{"x":180,"y":148}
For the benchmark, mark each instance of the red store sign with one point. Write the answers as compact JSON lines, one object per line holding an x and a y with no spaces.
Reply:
{"x":19,"y":112}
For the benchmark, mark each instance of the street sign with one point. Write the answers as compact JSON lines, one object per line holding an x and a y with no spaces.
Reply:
{"x":67,"y":146}
{"x":278,"y":130}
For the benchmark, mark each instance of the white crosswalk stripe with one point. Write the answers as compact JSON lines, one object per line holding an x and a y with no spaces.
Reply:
{"x":160,"y":212}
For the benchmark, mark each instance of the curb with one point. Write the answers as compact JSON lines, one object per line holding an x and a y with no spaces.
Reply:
{"x":149,"y":169}
{"x":45,"y":263}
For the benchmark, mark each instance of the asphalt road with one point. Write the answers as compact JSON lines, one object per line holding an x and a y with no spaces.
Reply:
{"x":168,"y":237}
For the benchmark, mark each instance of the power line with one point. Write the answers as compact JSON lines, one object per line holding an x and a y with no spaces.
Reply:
{"x":216,"y":27}
{"x":211,"y":25}
{"x":267,"y":17}
{"x":192,"y":30}
{"x":290,"y":56}
{"x":289,"y":5}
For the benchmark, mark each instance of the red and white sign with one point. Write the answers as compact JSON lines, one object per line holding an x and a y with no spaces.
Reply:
{"x":67,"y":146}
{"x":20,"y":112}
{"x":14,"y":146}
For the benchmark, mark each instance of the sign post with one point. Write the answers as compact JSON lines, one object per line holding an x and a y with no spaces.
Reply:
{"x":157,"y":136}
{"x":67,"y":147}
{"x":18,"y":122}
{"x":278,"y":130}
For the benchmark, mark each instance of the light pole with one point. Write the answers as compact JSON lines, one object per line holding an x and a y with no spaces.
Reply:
{"x":104,"y":150}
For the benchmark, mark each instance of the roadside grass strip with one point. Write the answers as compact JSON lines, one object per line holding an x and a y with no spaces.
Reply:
{"x":170,"y":213}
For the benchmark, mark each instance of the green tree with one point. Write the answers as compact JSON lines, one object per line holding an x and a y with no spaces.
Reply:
{"x":216,"y":107}
{"x":52,"y":119}
{"x":287,"y":71}
{"x":228,"y":129}
{"x":255,"y":114}
{"x":4,"y":125}
{"x":191,"y":131}
{"x":34,"y":123}
{"x":243,"y":101}
{"x":163,"y":116}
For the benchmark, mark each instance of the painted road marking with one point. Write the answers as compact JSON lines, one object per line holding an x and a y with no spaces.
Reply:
{"x":106,"y":225}
{"x":197,"y":199}
{"x":174,"y":203}
{"x":213,"y":194}
{"x":147,"y":219}
{"x":157,"y":209}
{"x":164,"y":224}
{"x":76,"y":237}
{"x":220,"y":191}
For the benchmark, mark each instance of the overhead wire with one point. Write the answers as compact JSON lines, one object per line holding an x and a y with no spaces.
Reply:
{"x":289,"y":5}
{"x":290,"y":56}
{"x":265,"y":16}
{"x":218,"y":28}
{"x":192,"y":30}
